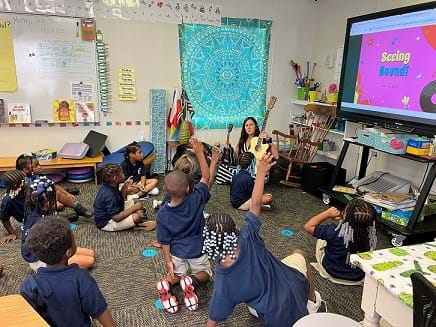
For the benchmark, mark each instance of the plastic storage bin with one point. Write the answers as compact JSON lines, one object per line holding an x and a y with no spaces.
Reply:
{"x":392,"y":142}
{"x":366,"y":136}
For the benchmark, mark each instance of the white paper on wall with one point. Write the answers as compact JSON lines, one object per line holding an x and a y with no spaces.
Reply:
{"x":338,"y":64}
{"x":60,"y":7}
{"x":29,"y":5}
{"x":17,"y":5}
{"x":40,"y":6}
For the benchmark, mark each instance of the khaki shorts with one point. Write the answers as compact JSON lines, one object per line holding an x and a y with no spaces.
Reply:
{"x":126,"y":223}
{"x":296,"y":261}
{"x":246,"y":205}
{"x":181,"y":266}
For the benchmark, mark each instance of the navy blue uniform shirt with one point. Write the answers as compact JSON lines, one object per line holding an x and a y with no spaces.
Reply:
{"x":335,"y":259}
{"x":31,"y":219}
{"x":12,"y":207}
{"x":66,"y":296}
{"x":108,"y":203}
{"x":278,"y":293}
{"x":181,"y":226}
{"x":136,"y":171}
{"x":241,"y":188}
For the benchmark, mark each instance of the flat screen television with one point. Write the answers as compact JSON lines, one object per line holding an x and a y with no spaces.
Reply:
{"x":388,"y":75}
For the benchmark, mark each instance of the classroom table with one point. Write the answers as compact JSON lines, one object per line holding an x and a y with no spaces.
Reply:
{"x":387,"y":291}
{"x":8,"y":163}
{"x":15,"y":311}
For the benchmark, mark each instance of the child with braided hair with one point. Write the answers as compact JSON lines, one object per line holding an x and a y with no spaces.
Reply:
{"x":279,"y":293}
{"x":243,"y":184}
{"x":12,"y":203}
{"x":133,"y":166}
{"x":41,"y":202}
{"x":355,"y":233}
{"x":112,"y":211}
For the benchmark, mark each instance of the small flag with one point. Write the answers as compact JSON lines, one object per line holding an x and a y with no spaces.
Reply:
{"x":128,"y":123}
{"x":138,"y":123}
{"x":117,"y":123}
{"x":63,"y":125}
{"x":108,"y":123}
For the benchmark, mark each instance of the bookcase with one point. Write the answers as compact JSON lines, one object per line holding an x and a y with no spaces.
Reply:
{"x":415,"y":230}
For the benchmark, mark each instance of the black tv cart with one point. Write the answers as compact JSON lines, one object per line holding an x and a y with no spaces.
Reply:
{"x":414,"y":229}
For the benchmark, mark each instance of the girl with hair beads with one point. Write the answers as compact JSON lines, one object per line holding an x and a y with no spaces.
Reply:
{"x":112,"y":211}
{"x":134,"y":167}
{"x":12,"y":203}
{"x":41,"y":202}
{"x":32,"y":169}
{"x":279,"y":293}
{"x":355,"y":233}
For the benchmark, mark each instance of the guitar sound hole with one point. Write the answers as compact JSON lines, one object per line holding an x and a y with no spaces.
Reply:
{"x":257,"y":147}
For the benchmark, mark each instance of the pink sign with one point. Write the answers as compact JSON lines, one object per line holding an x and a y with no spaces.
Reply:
{"x":396,"y":68}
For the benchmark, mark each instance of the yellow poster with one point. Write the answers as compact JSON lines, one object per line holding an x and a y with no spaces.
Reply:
{"x":63,"y":110}
{"x":8,"y":76}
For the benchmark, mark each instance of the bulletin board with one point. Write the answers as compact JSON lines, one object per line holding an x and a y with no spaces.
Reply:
{"x":54,"y":68}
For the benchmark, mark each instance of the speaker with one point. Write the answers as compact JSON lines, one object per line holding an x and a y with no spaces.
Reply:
{"x":318,"y":174}
{"x":96,"y":142}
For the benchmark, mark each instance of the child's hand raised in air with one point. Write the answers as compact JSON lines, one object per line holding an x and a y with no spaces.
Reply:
{"x":265,"y":164}
{"x":333,"y":212}
{"x":197,"y":146}
{"x":215,"y":154}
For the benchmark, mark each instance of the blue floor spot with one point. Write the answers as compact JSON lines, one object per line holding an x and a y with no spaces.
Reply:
{"x":149,"y":252}
{"x":158,"y":304}
{"x":73,"y":226}
{"x":287,"y":232}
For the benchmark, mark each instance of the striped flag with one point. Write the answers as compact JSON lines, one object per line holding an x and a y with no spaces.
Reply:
{"x":188,"y":111}
{"x":174,"y":114}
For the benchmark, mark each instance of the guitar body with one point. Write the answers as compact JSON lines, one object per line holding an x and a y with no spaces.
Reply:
{"x":257,"y":150}
{"x":228,"y":157}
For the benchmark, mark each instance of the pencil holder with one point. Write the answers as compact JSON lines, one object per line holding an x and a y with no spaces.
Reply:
{"x":301,"y":92}
{"x":312,"y":96}
{"x":334,"y":97}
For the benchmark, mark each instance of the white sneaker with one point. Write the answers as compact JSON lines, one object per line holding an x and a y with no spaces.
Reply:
{"x":266,"y":206}
{"x":312,"y":307}
{"x":156,"y":204}
{"x":154,"y":191}
{"x":206,"y":215}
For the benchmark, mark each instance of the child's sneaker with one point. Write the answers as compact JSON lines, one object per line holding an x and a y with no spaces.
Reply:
{"x":312,"y":307}
{"x":266,"y":207}
{"x":154,"y":191}
{"x":191,"y":299}
{"x":169,"y":301}
{"x":156,"y":204}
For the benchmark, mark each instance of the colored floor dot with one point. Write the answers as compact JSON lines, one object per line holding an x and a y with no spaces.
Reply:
{"x":287,"y":232}
{"x":149,"y":253}
{"x":73,"y":226}
{"x":158,"y":304}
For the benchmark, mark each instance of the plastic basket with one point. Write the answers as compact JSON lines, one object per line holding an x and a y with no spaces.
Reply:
{"x":392,"y":143}
{"x":366,"y":137}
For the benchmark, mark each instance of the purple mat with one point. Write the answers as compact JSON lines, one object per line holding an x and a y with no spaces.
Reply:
{"x":80,"y":171}
{"x":55,"y":178}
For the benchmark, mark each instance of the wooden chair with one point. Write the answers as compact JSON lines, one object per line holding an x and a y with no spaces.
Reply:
{"x":302,"y":143}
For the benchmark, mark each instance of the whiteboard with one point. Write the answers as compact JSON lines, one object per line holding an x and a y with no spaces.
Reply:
{"x":49,"y":56}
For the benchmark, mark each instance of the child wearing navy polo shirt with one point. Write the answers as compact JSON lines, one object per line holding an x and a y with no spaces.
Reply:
{"x":63,"y":295}
{"x":12,"y":203}
{"x":133,"y":166}
{"x":355,"y":233}
{"x":243,"y":184}
{"x":180,"y":224}
{"x":112,"y":211}
{"x":246,"y":272}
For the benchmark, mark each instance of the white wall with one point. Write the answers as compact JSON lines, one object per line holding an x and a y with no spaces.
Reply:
{"x":331,"y":17}
{"x":152,"y":48}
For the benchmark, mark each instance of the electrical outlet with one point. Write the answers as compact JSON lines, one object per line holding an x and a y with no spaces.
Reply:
{"x":373,"y":153}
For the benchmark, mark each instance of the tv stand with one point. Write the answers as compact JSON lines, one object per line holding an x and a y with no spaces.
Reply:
{"x":414,"y":230}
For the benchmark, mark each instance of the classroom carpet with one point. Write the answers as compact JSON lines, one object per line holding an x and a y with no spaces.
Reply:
{"x":127,"y":279}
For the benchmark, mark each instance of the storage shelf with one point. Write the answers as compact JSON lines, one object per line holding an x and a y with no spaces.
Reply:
{"x":304,"y":102}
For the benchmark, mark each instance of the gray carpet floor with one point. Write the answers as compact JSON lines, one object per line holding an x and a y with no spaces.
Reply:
{"x":127,"y":279}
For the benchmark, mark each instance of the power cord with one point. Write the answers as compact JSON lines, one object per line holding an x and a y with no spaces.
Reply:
{"x":423,"y":177}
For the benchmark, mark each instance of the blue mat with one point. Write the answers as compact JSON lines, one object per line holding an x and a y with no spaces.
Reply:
{"x":117,"y":157}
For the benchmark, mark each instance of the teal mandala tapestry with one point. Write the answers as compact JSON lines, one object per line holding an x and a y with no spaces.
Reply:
{"x":224,"y":70}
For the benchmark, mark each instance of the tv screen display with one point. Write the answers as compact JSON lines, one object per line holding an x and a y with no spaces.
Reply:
{"x":388,"y":73}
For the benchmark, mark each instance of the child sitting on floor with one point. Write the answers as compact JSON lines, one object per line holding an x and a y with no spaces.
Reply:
{"x":64,"y":295}
{"x":133,"y":166}
{"x":12,"y":203}
{"x":180,"y":224}
{"x":112,"y":211}
{"x":32,"y":169}
{"x":243,"y":184}
{"x":355,"y":233}
{"x":246,"y":272}
{"x":40,"y":202}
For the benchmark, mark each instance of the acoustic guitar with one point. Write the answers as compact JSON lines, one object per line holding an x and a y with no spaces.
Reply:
{"x":256,"y":147}
{"x":228,"y":156}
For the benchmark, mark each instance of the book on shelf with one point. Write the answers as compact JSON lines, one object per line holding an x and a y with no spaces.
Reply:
{"x":391,"y":201}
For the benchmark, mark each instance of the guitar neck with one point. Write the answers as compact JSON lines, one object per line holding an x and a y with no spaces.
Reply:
{"x":263,"y":125}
